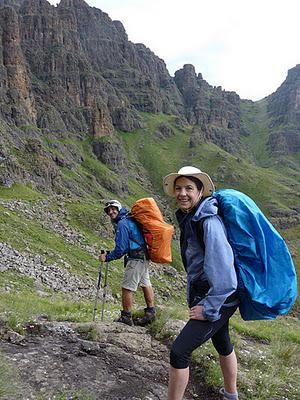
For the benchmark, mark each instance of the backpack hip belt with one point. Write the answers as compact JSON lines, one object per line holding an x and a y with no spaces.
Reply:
{"x":137,"y":254}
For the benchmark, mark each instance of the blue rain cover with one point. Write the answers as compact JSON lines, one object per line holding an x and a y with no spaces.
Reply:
{"x":267,"y":281}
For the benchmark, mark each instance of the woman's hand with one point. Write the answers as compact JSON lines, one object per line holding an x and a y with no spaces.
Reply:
{"x":196,"y":312}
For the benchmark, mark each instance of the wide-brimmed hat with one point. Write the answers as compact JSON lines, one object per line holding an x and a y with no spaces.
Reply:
{"x":208,"y":186}
{"x":112,"y":203}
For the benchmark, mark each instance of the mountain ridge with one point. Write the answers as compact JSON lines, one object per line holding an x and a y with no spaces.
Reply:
{"x":87,"y":49}
{"x":72,"y":82}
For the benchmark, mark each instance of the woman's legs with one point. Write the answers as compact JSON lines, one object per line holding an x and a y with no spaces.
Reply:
{"x":227,"y":358}
{"x":229,"y":370}
{"x":193,"y":335}
{"x":178,"y":380}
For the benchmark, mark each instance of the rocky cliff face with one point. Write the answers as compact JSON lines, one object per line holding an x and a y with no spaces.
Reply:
{"x":71,"y":68}
{"x":284,"y":111}
{"x":17,"y":103}
{"x":70,"y":96}
{"x":13,"y":3}
{"x":69,"y":72}
{"x":206,"y":104}
{"x":284,"y":104}
{"x":75,"y":70}
{"x":215,"y":113}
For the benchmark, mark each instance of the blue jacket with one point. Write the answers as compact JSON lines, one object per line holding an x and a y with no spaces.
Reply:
{"x":127,"y":236}
{"x":212,"y":262}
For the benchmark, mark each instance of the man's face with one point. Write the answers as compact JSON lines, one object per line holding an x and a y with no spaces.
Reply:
{"x":112,"y":212}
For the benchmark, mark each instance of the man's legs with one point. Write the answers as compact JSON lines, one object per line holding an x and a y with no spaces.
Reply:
{"x":149,"y":296}
{"x":178,"y":380}
{"x":147,"y":289}
{"x":127,"y":304}
{"x":145,"y":284}
{"x":129,"y":286}
{"x":150,"y":309}
{"x":127,"y":299}
{"x":136,"y":273}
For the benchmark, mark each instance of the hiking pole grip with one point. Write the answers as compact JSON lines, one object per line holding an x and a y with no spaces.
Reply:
{"x":100,"y":271}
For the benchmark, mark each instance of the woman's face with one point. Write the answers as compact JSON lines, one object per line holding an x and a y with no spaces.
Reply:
{"x":187,"y":194}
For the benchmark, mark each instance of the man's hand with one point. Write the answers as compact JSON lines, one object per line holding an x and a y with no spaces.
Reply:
{"x":102,"y":256}
{"x":196,"y":312}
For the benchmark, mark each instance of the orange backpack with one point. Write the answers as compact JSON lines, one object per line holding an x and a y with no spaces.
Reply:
{"x":157,"y":233}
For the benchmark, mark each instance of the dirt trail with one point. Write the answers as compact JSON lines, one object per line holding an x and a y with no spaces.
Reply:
{"x":56,"y":361}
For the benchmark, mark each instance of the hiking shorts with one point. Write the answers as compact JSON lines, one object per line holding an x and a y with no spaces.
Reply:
{"x":196,"y":332}
{"x":136,"y":274}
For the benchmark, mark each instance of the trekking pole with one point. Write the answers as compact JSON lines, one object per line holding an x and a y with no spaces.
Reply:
{"x":104,"y":292}
{"x":98,"y":286}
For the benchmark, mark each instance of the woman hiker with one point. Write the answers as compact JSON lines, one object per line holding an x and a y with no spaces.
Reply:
{"x":211,"y":280}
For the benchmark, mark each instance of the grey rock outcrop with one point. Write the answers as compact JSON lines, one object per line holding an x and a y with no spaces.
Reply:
{"x":45,"y":275}
{"x":71,"y":68}
{"x":284,"y":111}
{"x":206,"y":104}
{"x":17,"y":103}
{"x":215,"y":113}
{"x":284,"y":104}
{"x":106,"y":361}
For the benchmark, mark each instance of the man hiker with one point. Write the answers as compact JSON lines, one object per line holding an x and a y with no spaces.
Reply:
{"x":129,"y":242}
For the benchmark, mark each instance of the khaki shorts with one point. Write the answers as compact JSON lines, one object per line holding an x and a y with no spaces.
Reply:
{"x":136,"y":274}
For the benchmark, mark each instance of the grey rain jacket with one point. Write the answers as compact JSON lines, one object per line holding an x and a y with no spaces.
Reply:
{"x":210,"y":263}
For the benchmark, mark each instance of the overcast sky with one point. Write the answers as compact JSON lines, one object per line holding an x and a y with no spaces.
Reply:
{"x":242,"y":45}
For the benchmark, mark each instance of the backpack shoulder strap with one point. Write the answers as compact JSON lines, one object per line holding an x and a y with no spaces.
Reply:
{"x":138,"y":226}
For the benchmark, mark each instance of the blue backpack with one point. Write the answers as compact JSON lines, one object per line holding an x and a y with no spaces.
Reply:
{"x":267,"y":282}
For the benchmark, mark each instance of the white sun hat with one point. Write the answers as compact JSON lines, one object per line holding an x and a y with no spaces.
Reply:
{"x":208,"y":186}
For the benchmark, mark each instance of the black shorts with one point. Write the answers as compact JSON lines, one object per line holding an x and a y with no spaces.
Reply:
{"x":197,"y":332}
